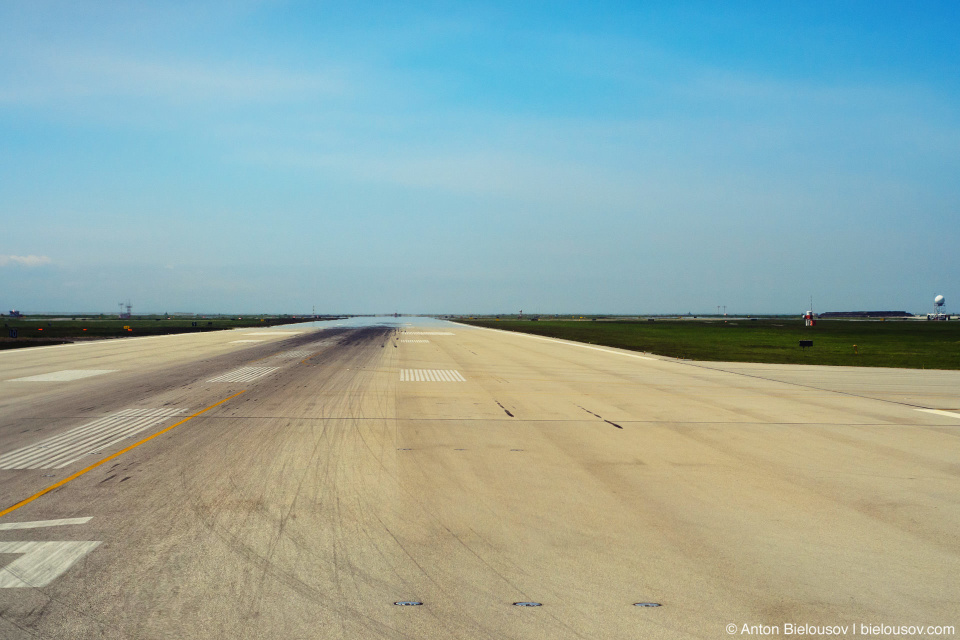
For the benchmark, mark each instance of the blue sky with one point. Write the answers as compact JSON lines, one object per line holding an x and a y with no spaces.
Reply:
{"x":602,"y":157}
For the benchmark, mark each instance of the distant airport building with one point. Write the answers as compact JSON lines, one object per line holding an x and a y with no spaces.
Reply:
{"x":866,"y":314}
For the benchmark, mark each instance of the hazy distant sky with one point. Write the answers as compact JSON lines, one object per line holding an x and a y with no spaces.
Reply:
{"x":618,"y":157}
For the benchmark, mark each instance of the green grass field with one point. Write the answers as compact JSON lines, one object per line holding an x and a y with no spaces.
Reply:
{"x":34,"y":331}
{"x":893,"y":343}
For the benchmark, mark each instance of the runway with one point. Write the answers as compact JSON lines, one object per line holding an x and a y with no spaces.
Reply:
{"x":299,"y":482}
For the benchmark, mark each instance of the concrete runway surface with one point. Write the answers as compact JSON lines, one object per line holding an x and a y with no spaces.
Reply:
{"x":466,"y":469}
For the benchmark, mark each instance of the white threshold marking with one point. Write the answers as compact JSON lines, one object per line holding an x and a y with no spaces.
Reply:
{"x":572,"y":344}
{"x":41,"y":562}
{"x":294,"y":354}
{"x":244,"y":374}
{"x":9,"y":526}
{"x":274,"y":333}
{"x":428,"y":333}
{"x":241,"y":341}
{"x":64,"y":376}
{"x":939,"y":412}
{"x":431,"y":375}
{"x":65,"y":448}
{"x":418,"y":341}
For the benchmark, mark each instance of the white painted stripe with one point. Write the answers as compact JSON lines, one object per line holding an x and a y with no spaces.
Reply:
{"x":70,"y":445}
{"x":244,"y":341}
{"x":94,"y":444}
{"x":295,"y":354}
{"x":419,"y":341}
{"x":9,"y":526}
{"x":428,"y":333}
{"x":41,"y":563}
{"x":948,"y":414}
{"x":47,"y":452}
{"x":570,"y":343}
{"x":274,"y":333}
{"x":64,"y":376}
{"x":244,"y":374}
{"x":98,"y":446}
{"x":65,"y":448}
{"x":431,"y":375}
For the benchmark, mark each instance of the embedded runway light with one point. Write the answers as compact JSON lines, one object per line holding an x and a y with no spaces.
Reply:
{"x":408,"y":603}
{"x":647,"y":604}
{"x":527,"y":604}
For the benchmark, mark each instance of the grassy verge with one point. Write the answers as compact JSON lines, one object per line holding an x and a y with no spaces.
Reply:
{"x":909,"y":344}
{"x":35,"y":331}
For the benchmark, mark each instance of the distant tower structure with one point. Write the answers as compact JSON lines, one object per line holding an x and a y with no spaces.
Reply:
{"x":810,"y":318}
{"x":938,"y":313}
{"x":129,"y":310}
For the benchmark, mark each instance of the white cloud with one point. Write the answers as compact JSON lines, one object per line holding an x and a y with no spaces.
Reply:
{"x":26,"y":261}
{"x":56,"y":75}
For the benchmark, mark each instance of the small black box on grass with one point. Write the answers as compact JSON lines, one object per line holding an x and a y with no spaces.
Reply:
{"x":806,"y":343}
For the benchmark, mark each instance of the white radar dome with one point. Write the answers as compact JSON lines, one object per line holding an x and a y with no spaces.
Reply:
{"x":938,"y":301}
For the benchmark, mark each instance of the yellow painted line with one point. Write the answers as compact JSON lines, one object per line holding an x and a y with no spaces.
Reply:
{"x":109,"y":458}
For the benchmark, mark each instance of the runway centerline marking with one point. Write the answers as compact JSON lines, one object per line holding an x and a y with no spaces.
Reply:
{"x":244,"y":374}
{"x":10,"y":526}
{"x":940,"y":412}
{"x":76,"y":475}
{"x":66,"y":375}
{"x":430,"y":375}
